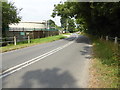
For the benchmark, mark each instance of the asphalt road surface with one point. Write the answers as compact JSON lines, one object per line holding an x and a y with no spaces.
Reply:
{"x":59,"y":64}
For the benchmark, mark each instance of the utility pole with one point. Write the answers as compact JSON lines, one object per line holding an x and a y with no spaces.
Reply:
{"x":48,"y":27}
{"x":48,"y":24}
{"x":45,"y":24}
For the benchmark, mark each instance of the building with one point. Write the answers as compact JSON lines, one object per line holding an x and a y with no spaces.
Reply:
{"x":32,"y":29}
{"x":40,"y":25}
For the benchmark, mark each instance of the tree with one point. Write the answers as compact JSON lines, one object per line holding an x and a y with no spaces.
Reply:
{"x":9,"y":15}
{"x":63,"y":21}
{"x":71,"y":25}
{"x":51,"y":23}
{"x":97,"y":18}
{"x":63,"y":11}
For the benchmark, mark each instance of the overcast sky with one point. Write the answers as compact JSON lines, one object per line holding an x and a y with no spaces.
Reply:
{"x":37,"y":10}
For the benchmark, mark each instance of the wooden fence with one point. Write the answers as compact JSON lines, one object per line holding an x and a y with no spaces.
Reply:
{"x":14,"y":40}
{"x":14,"y":35}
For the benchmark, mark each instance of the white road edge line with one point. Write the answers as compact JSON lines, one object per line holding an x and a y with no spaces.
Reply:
{"x":27,"y":63}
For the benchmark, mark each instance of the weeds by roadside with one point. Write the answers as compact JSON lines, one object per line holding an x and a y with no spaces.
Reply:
{"x":104,"y":71}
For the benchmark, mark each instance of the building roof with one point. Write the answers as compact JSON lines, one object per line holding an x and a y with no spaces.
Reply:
{"x":40,"y":25}
{"x":33,"y":22}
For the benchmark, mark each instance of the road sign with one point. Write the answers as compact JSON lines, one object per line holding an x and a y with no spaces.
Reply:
{"x":22,"y":33}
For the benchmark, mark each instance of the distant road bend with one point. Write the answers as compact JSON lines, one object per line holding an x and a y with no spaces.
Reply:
{"x":59,"y":64}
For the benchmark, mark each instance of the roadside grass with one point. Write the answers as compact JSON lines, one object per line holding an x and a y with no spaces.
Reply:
{"x":33,"y":42}
{"x":66,"y":34}
{"x":104,"y":70}
{"x":105,"y":64}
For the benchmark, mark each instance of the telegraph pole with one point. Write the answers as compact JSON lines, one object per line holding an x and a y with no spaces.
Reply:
{"x":48,"y":27}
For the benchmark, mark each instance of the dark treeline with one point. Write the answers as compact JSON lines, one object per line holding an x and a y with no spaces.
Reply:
{"x":96,"y":18}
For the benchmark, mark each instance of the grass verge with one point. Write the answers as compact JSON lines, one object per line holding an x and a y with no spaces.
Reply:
{"x":104,"y":71}
{"x":33,"y":42}
{"x":66,"y":34}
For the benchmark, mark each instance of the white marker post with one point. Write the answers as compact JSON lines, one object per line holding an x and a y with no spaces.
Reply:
{"x":28,"y":39}
{"x":106,"y":38}
{"x":116,"y":40}
{"x":15,"y":40}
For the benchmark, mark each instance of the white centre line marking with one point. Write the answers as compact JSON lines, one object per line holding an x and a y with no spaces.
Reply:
{"x":29,"y":62}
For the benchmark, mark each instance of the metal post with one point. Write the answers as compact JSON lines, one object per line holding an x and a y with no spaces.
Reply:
{"x":15,"y":40}
{"x":115,"y":40}
{"x":106,"y":38}
{"x":48,"y":32}
{"x":28,"y":39}
{"x":24,"y":31}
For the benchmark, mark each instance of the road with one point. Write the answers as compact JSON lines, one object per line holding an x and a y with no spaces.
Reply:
{"x":59,"y":64}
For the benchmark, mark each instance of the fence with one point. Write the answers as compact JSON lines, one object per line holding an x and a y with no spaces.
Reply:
{"x":14,"y":35}
{"x":4,"y":41}
{"x":14,"y":40}
{"x":32,"y":32}
{"x":115,"y":39}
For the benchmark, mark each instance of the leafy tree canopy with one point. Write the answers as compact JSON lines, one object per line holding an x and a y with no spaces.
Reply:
{"x":9,"y":14}
{"x":97,"y":18}
{"x":51,"y":23}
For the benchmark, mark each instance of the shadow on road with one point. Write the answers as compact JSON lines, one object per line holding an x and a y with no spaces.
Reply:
{"x":49,"y":78}
{"x":80,"y":39}
{"x":70,"y":38}
{"x":83,"y":39}
{"x":86,"y":52}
